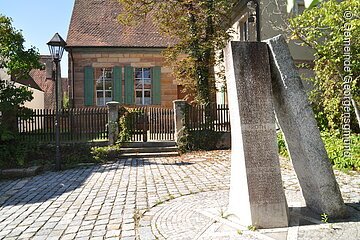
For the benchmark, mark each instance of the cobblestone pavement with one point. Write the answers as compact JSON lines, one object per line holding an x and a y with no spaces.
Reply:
{"x":175,"y":198}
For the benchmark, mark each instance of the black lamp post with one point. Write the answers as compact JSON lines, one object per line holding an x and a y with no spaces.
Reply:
{"x":56,"y":47}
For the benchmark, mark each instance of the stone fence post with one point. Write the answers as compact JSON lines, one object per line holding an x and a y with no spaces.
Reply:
{"x":179,"y":108}
{"x":113,"y":125}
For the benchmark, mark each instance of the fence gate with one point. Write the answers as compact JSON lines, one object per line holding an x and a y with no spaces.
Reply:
{"x":152,"y":124}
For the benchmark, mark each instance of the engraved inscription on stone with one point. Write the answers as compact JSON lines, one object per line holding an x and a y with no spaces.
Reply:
{"x":256,"y":193}
{"x":262,"y":186}
{"x":264,"y":154}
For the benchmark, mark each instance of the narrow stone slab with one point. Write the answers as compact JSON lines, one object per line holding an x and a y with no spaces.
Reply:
{"x":297,"y":121}
{"x":256,"y":192}
{"x":20,"y":172}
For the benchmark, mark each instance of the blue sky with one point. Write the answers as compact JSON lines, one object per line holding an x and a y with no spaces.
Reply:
{"x":39,"y":20}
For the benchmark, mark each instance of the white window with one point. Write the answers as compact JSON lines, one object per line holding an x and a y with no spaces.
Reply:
{"x":103,"y":78}
{"x":143,"y":86}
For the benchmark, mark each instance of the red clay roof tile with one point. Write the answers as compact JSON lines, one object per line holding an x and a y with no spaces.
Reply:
{"x":94,"y":24}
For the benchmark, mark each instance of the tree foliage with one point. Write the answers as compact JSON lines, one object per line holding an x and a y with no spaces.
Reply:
{"x":13,"y":56}
{"x":307,"y":3}
{"x":332,"y":28}
{"x":17,"y":62}
{"x":200,"y":28}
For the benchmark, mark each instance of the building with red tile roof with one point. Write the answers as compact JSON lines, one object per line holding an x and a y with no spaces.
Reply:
{"x":109,"y":61}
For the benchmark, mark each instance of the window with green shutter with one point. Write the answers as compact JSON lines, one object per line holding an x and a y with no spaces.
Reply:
{"x":106,"y":83}
{"x":142,"y":85}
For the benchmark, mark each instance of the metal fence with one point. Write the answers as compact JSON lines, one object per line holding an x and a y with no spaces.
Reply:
{"x":215,"y":117}
{"x":76,"y":125}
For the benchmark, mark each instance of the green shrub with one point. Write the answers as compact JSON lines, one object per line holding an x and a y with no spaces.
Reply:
{"x":71,"y":155}
{"x":12,"y":151}
{"x":13,"y":154}
{"x":282,"y":145}
{"x":126,"y":123}
{"x":198,"y":140}
{"x":335,"y":148}
{"x":105,"y":154}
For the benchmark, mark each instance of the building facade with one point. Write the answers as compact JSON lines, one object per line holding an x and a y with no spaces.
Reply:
{"x":112,"y":62}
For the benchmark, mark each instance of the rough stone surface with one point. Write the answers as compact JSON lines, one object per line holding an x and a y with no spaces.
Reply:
{"x":297,"y":121}
{"x":112,"y":121}
{"x":19,"y":173}
{"x":256,"y":192}
{"x":179,"y":107}
{"x":224,"y":141}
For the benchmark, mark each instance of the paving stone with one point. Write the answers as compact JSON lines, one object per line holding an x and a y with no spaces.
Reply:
{"x":56,"y":234}
{"x":98,"y":233}
{"x":113,"y":233}
{"x":128,"y":233}
{"x":104,"y":188}
{"x":128,"y":238}
{"x":68,"y":236}
{"x":97,"y":238}
{"x":81,"y":234}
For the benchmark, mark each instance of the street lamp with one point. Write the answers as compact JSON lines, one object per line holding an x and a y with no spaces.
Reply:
{"x":56,"y":47}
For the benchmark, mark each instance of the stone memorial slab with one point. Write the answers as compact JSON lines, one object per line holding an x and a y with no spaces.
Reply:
{"x":256,"y":192}
{"x":297,"y":121}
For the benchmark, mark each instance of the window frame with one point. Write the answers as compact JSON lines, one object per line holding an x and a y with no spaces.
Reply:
{"x":143,"y":89}
{"x":104,"y":79}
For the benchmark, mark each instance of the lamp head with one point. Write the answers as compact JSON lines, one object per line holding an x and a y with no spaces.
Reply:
{"x":56,"y":47}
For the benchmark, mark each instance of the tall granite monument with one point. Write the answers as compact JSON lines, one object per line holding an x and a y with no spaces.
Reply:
{"x":259,"y":83}
{"x":297,"y":121}
{"x":256,"y":191}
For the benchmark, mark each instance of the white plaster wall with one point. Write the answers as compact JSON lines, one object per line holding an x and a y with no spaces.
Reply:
{"x":38,"y":101}
{"x":4,"y":75}
{"x":273,"y":13}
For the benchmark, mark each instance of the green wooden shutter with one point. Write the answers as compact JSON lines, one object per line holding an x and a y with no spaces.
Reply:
{"x":89,"y":86}
{"x":129,"y":84}
{"x":117,"y":84}
{"x":156,"y":85}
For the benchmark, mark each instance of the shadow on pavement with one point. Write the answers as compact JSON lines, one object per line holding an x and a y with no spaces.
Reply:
{"x":303,"y":216}
{"x":51,"y":185}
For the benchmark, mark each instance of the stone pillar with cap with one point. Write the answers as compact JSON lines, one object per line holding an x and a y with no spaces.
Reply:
{"x":113,"y":125}
{"x":179,"y":117}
